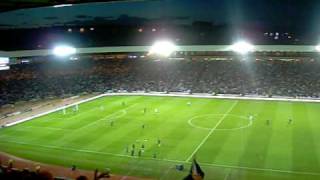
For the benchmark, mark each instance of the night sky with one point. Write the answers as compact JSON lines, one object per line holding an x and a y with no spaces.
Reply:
{"x":296,"y":14}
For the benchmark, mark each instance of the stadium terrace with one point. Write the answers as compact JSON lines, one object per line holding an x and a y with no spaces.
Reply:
{"x":159,"y":90}
{"x":71,"y":105}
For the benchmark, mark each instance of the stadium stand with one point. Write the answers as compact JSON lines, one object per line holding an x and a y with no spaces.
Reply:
{"x":62,"y":79}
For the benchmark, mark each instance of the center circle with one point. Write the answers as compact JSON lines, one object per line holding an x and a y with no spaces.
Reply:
{"x":240,"y":122}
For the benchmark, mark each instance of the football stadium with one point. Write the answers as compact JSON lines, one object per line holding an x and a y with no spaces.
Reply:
{"x":84,"y":106}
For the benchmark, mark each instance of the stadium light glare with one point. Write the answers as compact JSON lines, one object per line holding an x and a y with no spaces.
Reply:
{"x":318,"y":48}
{"x":4,"y":60}
{"x":163,"y":48}
{"x":242,"y":47}
{"x":62,"y":5}
{"x":64,"y":50}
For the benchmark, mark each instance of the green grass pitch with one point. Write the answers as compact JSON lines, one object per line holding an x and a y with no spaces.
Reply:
{"x":227,"y":143}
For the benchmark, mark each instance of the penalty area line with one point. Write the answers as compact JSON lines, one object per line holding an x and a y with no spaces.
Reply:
{"x":106,"y":117}
{"x":211,"y":131}
{"x":64,"y":138}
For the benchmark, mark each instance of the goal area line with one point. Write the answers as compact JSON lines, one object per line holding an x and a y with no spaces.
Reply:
{"x":164,"y":94}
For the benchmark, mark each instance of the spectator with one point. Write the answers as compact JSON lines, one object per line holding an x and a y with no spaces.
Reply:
{"x":61,"y":79}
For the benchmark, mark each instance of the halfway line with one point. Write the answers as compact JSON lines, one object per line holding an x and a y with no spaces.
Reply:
{"x":211,"y":131}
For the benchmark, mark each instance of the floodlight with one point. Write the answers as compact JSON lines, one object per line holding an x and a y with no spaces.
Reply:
{"x":64,"y":50}
{"x":163,"y":48}
{"x":4,"y":60}
{"x":318,"y":48}
{"x":3,"y":68}
{"x":62,"y":5}
{"x":242,"y":47}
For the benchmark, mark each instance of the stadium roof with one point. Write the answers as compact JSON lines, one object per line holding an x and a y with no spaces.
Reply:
{"x":128,"y":49}
{"x":10,"y":5}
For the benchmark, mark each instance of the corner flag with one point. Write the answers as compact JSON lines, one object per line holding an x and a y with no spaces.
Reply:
{"x":196,"y":172}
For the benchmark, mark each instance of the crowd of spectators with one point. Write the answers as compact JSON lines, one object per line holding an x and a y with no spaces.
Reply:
{"x":25,"y":174}
{"x":61,"y":79}
{"x":9,"y":171}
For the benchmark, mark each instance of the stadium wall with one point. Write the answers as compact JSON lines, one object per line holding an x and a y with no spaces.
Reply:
{"x":172,"y":94}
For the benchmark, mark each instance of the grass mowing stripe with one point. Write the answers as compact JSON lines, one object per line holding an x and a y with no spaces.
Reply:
{"x":68,"y":149}
{"x":50,"y":128}
{"x":261,"y":169}
{"x":101,"y":144}
{"x":211,"y":131}
{"x":165,"y":173}
{"x":94,"y":122}
{"x":106,"y":117}
{"x":168,"y":160}
{"x":252,"y":140}
{"x":227,"y":175}
{"x":303,"y":137}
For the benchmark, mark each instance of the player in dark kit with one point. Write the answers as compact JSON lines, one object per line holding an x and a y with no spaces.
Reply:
{"x":290,"y":121}
{"x":268,"y":122}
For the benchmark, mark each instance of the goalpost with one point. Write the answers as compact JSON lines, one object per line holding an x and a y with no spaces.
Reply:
{"x":164,"y":94}
{"x":75,"y":108}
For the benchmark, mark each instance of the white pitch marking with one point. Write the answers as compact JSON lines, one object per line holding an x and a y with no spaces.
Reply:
{"x":62,"y":129}
{"x":229,"y":129}
{"x":262,"y":169}
{"x":208,"y":96}
{"x":50,"y":128}
{"x":165,"y":173}
{"x":211,"y":131}
{"x":105,"y":117}
{"x":94,"y":122}
{"x":227,"y":175}
{"x":234,"y":129}
{"x":168,"y":160}
{"x":78,"y":114}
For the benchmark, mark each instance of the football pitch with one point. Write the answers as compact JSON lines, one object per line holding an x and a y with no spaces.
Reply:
{"x":231,"y":139}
